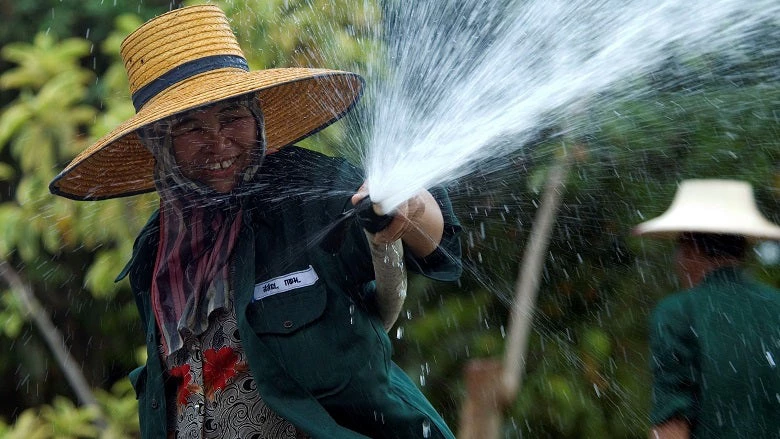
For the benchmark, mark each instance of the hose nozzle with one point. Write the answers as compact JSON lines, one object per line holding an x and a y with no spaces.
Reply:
{"x":369,"y":219}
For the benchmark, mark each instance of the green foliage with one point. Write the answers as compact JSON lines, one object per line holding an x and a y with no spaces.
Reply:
{"x":27,"y":426}
{"x":11,"y":312}
{"x":121,"y":408}
{"x":40,"y":61}
{"x":63,"y":246}
{"x":63,"y":420}
{"x":304,"y":33}
{"x":68,"y":421}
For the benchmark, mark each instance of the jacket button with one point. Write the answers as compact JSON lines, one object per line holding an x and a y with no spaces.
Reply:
{"x":155,"y":404}
{"x":288,"y":324}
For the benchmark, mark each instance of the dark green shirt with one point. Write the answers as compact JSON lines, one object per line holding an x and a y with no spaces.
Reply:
{"x":318,"y":352}
{"x":715,"y":352}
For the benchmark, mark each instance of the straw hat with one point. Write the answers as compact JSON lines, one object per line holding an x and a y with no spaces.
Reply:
{"x":711,"y":206}
{"x":182,"y":60}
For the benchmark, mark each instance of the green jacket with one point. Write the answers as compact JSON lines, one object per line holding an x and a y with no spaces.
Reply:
{"x":319,"y":353}
{"x":715,"y":350}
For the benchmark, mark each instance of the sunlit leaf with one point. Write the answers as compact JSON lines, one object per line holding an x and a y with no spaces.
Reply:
{"x":102,"y":272}
{"x":28,"y":426}
{"x":10,"y":218}
{"x":68,"y":421}
{"x":11,"y":120}
{"x":12,"y":314}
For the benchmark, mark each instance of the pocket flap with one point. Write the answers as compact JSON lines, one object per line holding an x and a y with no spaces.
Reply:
{"x":287,"y":312}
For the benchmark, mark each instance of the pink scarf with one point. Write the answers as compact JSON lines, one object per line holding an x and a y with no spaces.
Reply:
{"x":191,"y":272}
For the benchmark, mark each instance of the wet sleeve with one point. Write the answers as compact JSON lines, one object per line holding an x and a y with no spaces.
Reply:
{"x":673,"y":351}
{"x":444,"y":264}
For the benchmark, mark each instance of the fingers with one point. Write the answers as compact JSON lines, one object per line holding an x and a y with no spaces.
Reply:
{"x":360,"y":194}
{"x":405,"y":219}
{"x":393,"y":232}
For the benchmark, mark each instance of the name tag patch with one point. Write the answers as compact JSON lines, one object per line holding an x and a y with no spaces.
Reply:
{"x":286,"y":282}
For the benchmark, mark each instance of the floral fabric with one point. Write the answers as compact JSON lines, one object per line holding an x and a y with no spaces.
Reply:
{"x":212,"y":393}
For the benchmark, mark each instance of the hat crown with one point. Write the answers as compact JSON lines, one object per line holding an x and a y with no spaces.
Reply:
{"x":714,"y":195}
{"x":174,"y":39}
{"x":712,"y":206}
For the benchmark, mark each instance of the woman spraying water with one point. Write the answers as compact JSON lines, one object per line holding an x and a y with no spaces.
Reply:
{"x":248,"y":333}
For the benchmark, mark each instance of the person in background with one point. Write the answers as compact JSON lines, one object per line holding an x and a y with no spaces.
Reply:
{"x":715,"y":345}
{"x":252,"y":328}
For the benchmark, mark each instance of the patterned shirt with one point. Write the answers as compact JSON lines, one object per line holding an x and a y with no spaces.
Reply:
{"x":214,"y":392}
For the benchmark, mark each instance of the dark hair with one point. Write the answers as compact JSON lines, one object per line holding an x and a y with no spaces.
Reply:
{"x":716,"y":245}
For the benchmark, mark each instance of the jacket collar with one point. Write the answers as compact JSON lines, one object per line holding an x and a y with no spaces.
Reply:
{"x":731,"y":273}
{"x":145,"y":244}
{"x":145,"y":247}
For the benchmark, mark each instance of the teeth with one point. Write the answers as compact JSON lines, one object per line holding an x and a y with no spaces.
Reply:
{"x":220,"y":165}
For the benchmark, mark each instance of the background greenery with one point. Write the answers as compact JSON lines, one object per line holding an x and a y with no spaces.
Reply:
{"x":62,"y":86}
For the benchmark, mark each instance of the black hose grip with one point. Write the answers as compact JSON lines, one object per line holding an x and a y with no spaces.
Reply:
{"x":369,"y":219}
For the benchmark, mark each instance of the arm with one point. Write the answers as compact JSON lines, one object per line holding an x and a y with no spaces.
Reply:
{"x":675,"y":428}
{"x":673,"y":349}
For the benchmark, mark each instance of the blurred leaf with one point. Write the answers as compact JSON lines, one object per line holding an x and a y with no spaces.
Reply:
{"x":12,"y":314}
{"x":102,"y":272}
{"x":27,"y":426}
{"x":596,"y":343}
{"x":10,"y":121}
{"x":121,"y":407}
{"x":68,"y":421}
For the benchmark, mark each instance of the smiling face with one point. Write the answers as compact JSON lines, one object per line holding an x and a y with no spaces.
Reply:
{"x":213,"y":145}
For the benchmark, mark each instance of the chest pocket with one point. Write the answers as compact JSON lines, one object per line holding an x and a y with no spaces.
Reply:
{"x":287,"y":312}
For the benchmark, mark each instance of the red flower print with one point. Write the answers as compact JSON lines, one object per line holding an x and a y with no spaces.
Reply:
{"x":186,"y":387}
{"x":219,"y":367}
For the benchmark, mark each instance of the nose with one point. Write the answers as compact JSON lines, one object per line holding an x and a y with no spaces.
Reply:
{"x":214,"y":140}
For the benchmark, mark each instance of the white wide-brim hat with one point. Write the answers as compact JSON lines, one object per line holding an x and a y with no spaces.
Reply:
{"x":711,"y":206}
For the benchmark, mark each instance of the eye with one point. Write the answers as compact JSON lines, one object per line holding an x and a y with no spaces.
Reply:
{"x":233,"y":119}
{"x":185,"y":128}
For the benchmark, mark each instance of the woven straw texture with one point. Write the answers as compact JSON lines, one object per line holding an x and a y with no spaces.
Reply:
{"x":296,"y":102}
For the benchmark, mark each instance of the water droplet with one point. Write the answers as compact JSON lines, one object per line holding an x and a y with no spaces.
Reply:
{"x":399,"y":332}
{"x":426,"y":428}
{"x":770,"y":359}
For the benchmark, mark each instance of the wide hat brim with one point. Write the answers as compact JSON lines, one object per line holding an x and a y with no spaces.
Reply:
{"x":296,"y":103}
{"x":713,"y":206}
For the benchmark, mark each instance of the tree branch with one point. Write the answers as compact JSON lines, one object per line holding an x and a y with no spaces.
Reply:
{"x":51,"y":336}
